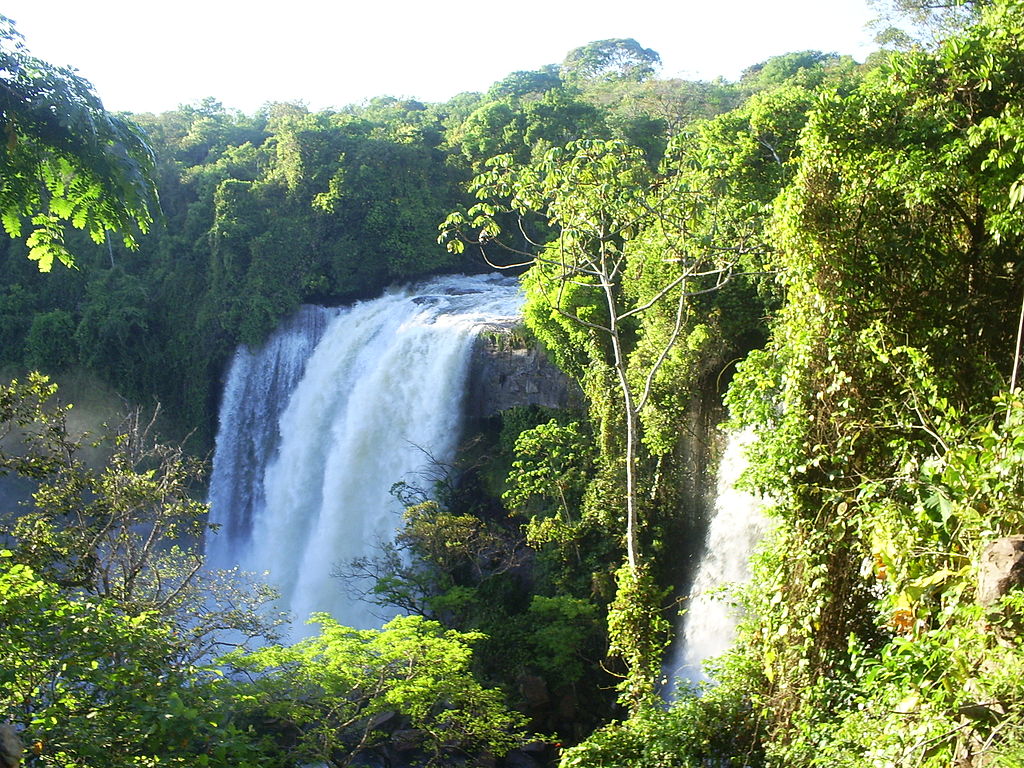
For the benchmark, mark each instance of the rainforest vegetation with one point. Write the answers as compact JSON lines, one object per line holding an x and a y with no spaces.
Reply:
{"x":826,"y":252}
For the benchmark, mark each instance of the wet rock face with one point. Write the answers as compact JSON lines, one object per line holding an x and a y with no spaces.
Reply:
{"x":505,"y":373}
{"x":1001,"y":568}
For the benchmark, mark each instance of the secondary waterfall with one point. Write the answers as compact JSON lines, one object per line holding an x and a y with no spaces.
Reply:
{"x":736,"y":527}
{"x":320,"y":422}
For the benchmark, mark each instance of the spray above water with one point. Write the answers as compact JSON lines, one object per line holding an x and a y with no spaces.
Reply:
{"x":318,"y":424}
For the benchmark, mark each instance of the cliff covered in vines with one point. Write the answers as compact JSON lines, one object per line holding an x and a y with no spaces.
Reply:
{"x":889,"y":434}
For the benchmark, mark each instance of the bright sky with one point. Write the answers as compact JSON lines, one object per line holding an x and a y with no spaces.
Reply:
{"x":152,"y":55}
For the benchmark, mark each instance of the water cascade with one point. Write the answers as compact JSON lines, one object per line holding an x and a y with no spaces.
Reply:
{"x":319,"y":423}
{"x":736,"y":527}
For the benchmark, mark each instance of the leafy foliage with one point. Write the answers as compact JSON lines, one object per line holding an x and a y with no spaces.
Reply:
{"x":553,"y":464}
{"x":125,"y":531}
{"x":334,"y":690}
{"x":866,"y":221}
{"x":616,"y":58}
{"x":460,"y":560}
{"x":715,"y":729}
{"x":898,"y":249}
{"x":74,"y":671}
{"x":65,"y":159}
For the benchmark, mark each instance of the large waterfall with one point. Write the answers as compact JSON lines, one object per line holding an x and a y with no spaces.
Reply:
{"x":736,"y":526}
{"x":320,"y":422}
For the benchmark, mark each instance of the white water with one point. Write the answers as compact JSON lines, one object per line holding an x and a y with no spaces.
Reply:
{"x":737,"y":525}
{"x":318,"y":424}
{"x":257,"y":389}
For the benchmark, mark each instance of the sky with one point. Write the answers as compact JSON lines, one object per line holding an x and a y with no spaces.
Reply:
{"x":154,"y":55}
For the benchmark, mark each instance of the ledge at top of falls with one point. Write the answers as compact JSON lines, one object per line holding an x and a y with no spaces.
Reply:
{"x":505,"y":372}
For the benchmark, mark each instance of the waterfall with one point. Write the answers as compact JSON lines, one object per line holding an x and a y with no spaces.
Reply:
{"x":737,"y":525}
{"x":257,"y":389}
{"x":320,"y":422}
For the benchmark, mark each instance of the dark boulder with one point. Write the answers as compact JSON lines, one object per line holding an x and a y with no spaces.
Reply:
{"x":10,"y":747}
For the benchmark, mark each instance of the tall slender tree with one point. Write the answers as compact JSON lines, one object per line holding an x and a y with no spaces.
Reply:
{"x":612,"y":220}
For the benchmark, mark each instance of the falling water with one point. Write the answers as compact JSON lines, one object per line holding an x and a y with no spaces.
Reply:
{"x":317,"y":425}
{"x":709,"y":624}
{"x":257,"y":389}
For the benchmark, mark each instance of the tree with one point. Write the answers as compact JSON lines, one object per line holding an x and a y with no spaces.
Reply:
{"x":117,"y":532}
{"x":50,"y":343}
{"x":779,"y":69}
{"x":898,"y":243}
{"x":523,"y":83}
{"x":929,"y":21}
{"x":64,"y":159}
{"x":617,"y":58}
{"x":104,"y":612}
{"x":335,"y":692}
{"x":82,"y":680}
{"x":86,"y":684}
{"x":557,"y":118}
{"x":553,"y":463}
{"x":603,"y":203}
{"x":627,"y":242}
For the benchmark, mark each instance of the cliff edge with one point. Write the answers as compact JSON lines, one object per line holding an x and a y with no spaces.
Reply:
{"x":505,"y":371}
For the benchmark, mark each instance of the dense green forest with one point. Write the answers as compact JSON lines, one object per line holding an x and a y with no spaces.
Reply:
{"x":828,"y":251}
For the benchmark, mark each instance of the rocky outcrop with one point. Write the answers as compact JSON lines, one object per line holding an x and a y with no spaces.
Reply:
{"x":1001,"y":569}
{"x":10,"y":747}
{"x":506,"y":372}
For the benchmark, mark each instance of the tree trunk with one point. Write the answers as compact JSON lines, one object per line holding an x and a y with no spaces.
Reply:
{"x":629,"y":411}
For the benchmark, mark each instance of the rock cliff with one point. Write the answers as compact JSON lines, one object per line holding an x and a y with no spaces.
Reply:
{"x":507,"y":372}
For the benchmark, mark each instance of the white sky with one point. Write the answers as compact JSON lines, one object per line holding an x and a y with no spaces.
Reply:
{"x":152,"y":55}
